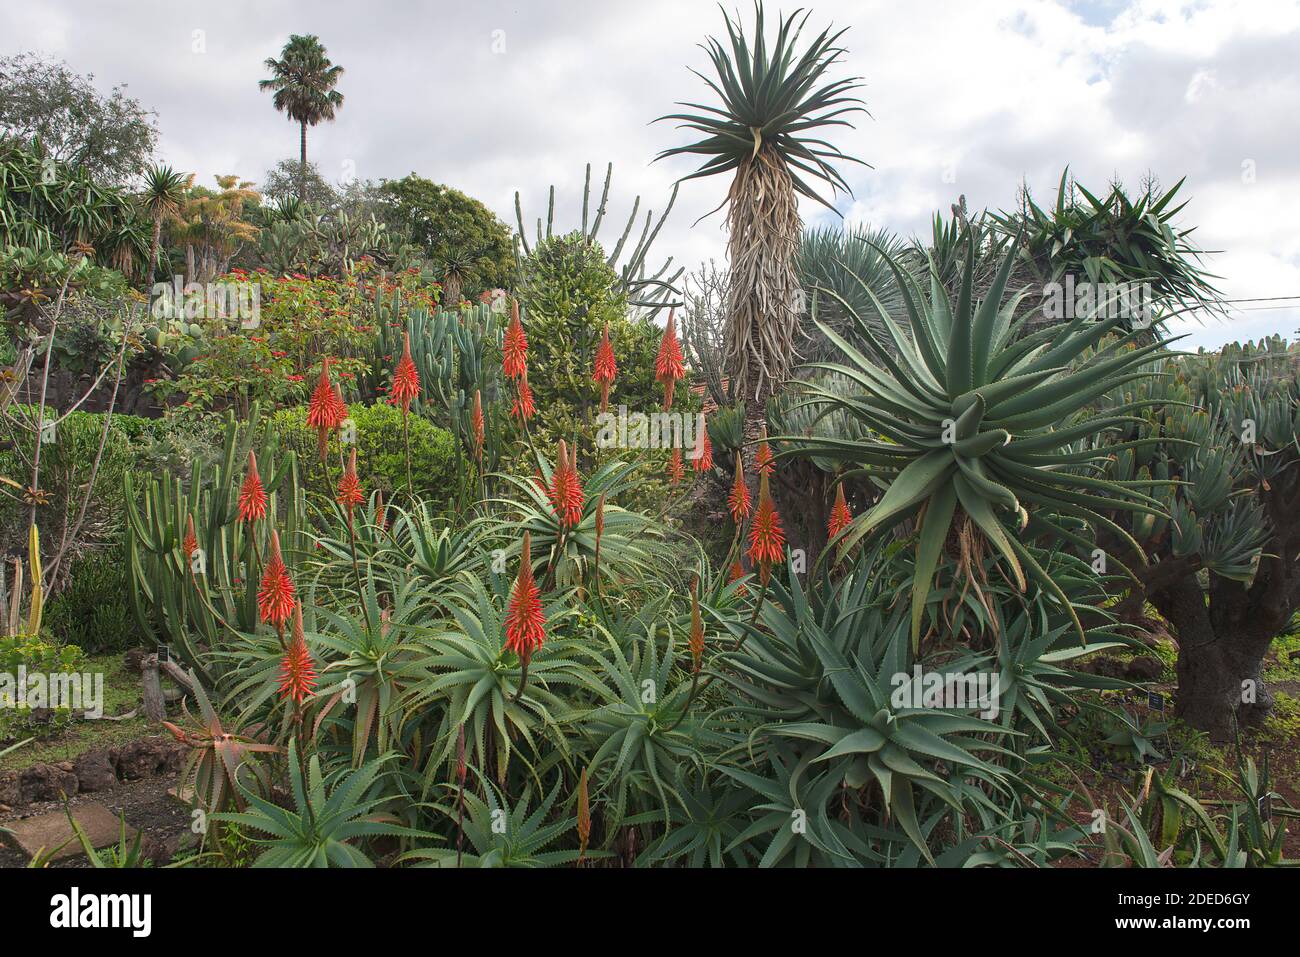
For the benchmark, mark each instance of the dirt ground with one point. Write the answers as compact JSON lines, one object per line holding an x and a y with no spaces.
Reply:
{"x":145,"y":804}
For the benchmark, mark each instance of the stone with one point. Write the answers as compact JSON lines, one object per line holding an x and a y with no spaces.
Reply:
{"x":1143,"y":669}
{"x":64,"y":766}
{"x":146,"y":757}
{"x":11,"y":788}
{"x":47,"y":782}
{"x":95,"y":771}
{"x":50,"y":831}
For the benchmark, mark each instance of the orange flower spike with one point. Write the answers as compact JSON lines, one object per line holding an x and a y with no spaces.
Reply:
{"x":675,"y":467}
{"x":297,"y":670}
{"x":763,"y":457}
{"x":702,"y":460}
{"x":606,"y":368}
{"x":735,"y":574}
{"x":738,"y":502}
{"x":276,"y":597}
{"x":406,"y":379}
{"x":584,"y":815}
{"x":697,"y":628}
{"x":514,"y":350}
{"x":600,"y":516}
{"x":669,"y":367}
{"x":191,"y":542}
{"x":350,"y":493}
{"x":840,"y":514}
{"x":476,"y":423}
{"x":381,"y":512}
{"x":566,"y":488}
{"x":252,"y":495}
{"x":523,"y":407}
{"x":525,"y":621}
{"x":766,"y":538}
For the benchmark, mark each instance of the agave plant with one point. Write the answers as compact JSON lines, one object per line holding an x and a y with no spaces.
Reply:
{"x":323,"y":827}
{"x":972,"y":422}
{"x":523,"y":841}
{"x":824,"y":674}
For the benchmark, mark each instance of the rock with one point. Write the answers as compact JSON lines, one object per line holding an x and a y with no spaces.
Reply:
{"x":1144,"y":669}
{"x":11,"y":789}
{"x":5,"y":809}
{"x":152,"y":755}
{"x":47,"y":782}
{"x":50,"y":831}
{"x":1105,"y":667}
{"x":64,"y":766}
{"x":95,"y":771}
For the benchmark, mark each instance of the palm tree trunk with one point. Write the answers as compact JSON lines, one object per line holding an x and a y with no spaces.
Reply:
{"x":152,"y":269}
{"x":302,"y":162}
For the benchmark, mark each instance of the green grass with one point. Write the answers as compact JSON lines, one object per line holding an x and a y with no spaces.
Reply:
{"x":121,"y":694}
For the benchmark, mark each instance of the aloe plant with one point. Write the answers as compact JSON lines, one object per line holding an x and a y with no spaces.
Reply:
{"x":971,"y":422}
{"x":210,"y":598}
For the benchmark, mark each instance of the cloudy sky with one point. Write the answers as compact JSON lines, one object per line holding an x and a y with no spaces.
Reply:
{"x":966,"y":97}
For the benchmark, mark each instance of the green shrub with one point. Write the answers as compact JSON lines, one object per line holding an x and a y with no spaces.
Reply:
{"x":66,"y":464}
{"x":381,"y":456}
{"x":92,"y":610}
{"x":37,"y":655}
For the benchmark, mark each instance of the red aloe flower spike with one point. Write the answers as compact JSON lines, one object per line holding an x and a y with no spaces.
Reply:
{"x":252,"y":496}
{"x":340,"y":406}
{"x":736,"y":573}
{"x":523,"y":407}
{"x":697,"y":628}
{"x":766,"y":539}
{"x":566,"y":488}
{"x":297,"y":670}
{"x":350,"y":493}
{"x":406,"y":379}
{"x":381,"y":513}
{"x":600,"y":517}
{"x":840,"y":514}
{"x":738,"y":498}
{"x":275,"y":599}
{"x":191,"y":542}
{"x":476,"y":423}
{"x":325,"y":410}
{"x":763,"y":457}
{"x":703,"y":459}
{"x":525,"y":621}
{"x":675,"y":467}
{"x":606,"y":368}
{"x":514,"y":350}
{"x":668,"y":363}
{"x":584,"y":815}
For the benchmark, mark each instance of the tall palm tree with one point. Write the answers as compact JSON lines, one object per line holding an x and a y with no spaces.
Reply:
{"x":164,"y":191}
{"x":303,"y":80}
{"x":774,"y":104}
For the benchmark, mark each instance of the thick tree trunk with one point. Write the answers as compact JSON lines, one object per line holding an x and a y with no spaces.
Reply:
{"x":1218,"y":667}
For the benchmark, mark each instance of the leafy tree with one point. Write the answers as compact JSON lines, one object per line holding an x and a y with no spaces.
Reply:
{"x":303,"y":80}
{"x":287,"y":180}
{"x":111,"y":137}
{"x":455,"y":230}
